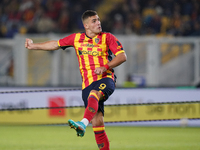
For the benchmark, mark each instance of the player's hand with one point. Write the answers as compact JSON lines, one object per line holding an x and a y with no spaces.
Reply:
{"x":100,"y":70}
{"x":28,"y":43}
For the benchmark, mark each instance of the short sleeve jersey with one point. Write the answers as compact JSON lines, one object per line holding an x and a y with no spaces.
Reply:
{"x":92,"y":53}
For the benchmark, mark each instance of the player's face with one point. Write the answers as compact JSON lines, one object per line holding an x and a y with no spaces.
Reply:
{"x":93,"y":24}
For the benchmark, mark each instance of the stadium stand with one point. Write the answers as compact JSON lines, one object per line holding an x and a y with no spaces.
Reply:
{"x":140,"y":17}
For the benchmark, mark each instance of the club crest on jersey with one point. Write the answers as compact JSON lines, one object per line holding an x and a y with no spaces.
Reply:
{"x":96,"y":40}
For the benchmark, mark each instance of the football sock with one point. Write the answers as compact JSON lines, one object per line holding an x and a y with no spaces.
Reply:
{"x":85,"y":121}
{"x":92,"y":107}
{"x":101,"y":138}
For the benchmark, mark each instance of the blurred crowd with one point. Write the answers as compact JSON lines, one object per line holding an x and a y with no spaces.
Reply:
{"x":42,"y":16}
{"x":155,"y":17}
{"x":139,"y":17}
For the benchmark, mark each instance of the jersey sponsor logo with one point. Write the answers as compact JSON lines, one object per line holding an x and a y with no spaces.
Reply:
{"x":119,"y":45}
{"x":93,"y":53}
{"x":89,"y":45}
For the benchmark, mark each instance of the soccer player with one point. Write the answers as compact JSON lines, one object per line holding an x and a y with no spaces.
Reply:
{"x":93,"y":48}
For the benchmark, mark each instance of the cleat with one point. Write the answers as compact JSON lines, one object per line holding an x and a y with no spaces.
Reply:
{"x":78,"y":126}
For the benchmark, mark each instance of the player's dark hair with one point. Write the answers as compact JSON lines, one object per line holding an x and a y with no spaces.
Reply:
{"x":88,"y":13}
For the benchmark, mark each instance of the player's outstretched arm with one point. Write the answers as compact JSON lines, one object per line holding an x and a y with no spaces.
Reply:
{"x":49,"y":45}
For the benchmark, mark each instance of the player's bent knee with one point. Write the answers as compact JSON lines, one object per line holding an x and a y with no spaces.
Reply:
{"x":97,"y":93}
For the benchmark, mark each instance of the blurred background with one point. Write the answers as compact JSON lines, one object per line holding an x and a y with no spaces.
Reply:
{"x":157,"y":86}
{"x":161,"y":40}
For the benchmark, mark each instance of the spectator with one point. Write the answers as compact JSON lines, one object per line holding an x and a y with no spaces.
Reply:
{"x":140,"y":17}
{"x":118,"y":26}
{"x":45,"y":24}
{"x":63,"y":21}
{"x":196,"y":31}
{"x":12,"y":31}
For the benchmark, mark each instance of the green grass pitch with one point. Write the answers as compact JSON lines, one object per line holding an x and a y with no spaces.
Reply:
{"x":121,"y":138}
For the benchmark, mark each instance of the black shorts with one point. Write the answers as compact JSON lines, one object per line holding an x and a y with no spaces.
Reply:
{"x":106,"y":86}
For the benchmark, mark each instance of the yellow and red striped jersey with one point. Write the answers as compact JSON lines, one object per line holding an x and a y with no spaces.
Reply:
{"x":92,"y":53}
